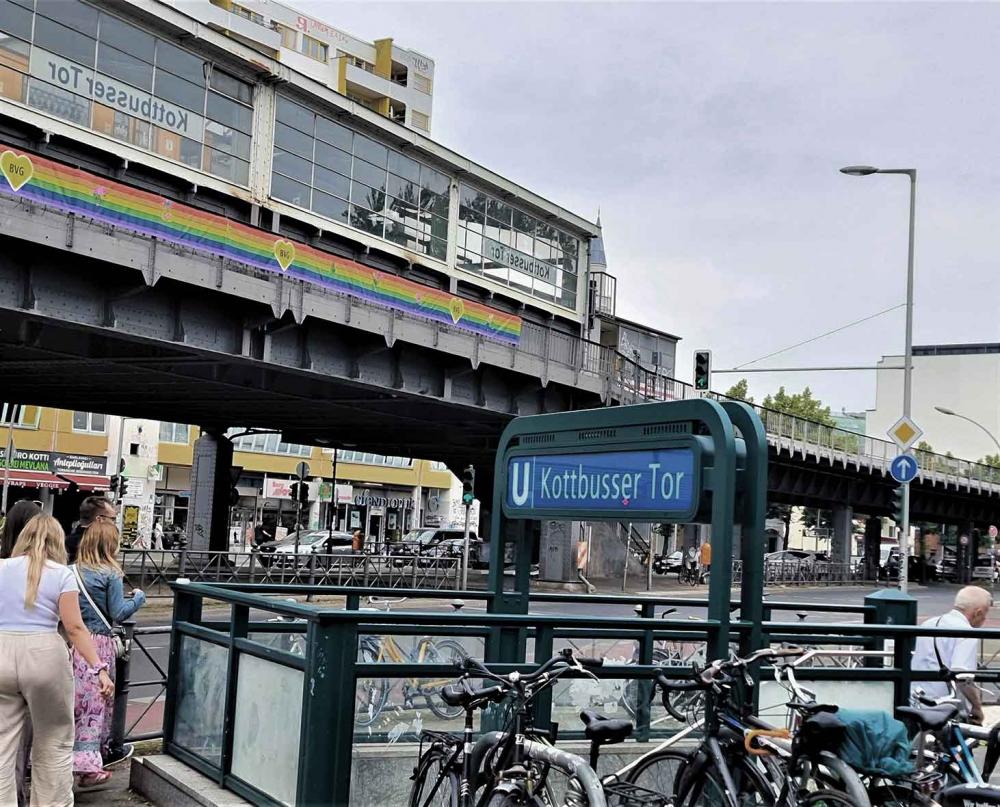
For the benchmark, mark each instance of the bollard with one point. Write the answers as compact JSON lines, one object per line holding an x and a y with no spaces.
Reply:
{"x":122,"y":671}
{"x":894,"y":607}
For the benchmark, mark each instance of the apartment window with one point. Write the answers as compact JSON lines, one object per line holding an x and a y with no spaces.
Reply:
{"x":323,"y":166}
{"x":398,"y":73}
{"x":122,"y":81}
{"x":267,"y":444}
{"x":510,"y":246}
{"x":366,"y":458}
{"x":25,"y":417}
{"x":313,"y":48}
{"x":420,"y":121}
{"x":289,"y":36}
{"x":90,"y":423}
{"x":247,"y":14}
{"x":357,"y":61}
{"x":421,"y":83}
{"x":174,"y":433}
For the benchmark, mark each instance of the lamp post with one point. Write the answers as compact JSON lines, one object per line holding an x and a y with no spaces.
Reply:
{"x":944,"y":410}
{"x":864,"y":171}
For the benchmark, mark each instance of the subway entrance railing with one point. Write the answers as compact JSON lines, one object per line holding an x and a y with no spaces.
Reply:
{"x":275,"y":699}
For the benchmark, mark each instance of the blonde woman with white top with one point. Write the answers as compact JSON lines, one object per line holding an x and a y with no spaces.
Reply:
{"x":37,"y":592}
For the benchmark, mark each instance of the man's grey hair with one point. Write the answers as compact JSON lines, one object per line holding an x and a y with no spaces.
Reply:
{"x":972,"y":597}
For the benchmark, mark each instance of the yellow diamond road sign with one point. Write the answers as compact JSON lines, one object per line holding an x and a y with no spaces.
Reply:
{"x":905,"y":433}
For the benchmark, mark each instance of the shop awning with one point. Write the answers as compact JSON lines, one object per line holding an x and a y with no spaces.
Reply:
{"x":35,"y":479}
{"x":85,"y":482}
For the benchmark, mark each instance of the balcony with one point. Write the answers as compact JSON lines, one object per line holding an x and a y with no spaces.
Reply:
{"x":246,"y":31}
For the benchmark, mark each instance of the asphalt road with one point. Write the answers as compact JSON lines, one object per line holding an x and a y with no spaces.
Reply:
{"x":932,"y":601}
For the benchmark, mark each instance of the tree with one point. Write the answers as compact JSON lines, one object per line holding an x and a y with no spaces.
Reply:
{"x":740,"y":391}
{"x":993,"y":460}
{"x":923,"y":445}
{"x":801,"y":404}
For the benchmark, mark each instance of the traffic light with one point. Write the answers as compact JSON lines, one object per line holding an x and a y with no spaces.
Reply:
{"x":703,"y":370}
{"x":299,"y":491}
{"x":898,"y":495}
{"x":234,"y":496}
{"x":468,"y":486}
{"x":115,"y":484}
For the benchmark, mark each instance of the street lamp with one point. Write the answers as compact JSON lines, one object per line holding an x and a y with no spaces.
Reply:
{"x":864,"y":171}
{"x":944,"y":410}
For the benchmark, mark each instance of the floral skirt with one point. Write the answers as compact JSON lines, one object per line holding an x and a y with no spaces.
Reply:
{"x":93,"y":713}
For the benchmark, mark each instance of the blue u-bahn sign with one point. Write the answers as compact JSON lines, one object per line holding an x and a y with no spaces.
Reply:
{"x":606,"y":484}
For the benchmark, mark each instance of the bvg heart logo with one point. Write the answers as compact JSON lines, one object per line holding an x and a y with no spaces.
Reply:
{"x":457,"y":309}
{"x":17,"y":169}
{"x":284,"y":251}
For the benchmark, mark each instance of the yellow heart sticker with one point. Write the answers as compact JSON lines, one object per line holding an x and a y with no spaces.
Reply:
{"x":17,"y":169}
{"x":457,"y":308}
{"x":284,"y":251}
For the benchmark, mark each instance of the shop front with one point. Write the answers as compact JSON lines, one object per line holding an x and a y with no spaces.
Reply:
{"x":56,"y":480}
{"x":384,"y":515}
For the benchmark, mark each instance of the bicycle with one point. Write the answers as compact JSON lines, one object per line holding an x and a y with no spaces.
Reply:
{"x":735,"y":764}
{"x":373,"y":693}
{"x":946,"y":769}
{"x":691,"y":575}
{"x":512,"y":766}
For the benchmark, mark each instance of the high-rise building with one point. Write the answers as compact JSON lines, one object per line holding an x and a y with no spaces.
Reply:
{"x":393,"y":81}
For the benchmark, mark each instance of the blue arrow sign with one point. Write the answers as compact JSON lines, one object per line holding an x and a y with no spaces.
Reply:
{"x":603,"y":484}
{"x":904,"y":468}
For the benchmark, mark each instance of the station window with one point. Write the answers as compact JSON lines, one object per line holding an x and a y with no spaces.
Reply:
{"x":98,"y":71}
{"x":326,"y":167}
{"x":174,"y":433}
{"x":90,"y":423}
{"x":313,"y":48}
{"x":501,"y":242}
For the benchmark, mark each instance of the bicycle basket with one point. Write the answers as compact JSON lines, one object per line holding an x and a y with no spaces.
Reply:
{"x":623,"y":794}
{"x":822,"y":731}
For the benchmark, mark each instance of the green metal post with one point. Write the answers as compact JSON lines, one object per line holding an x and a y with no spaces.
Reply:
{"x":894,"y":607}
{"x":328,"y":703}
{"x":643,"y":689}
{"x":753,"y":496}
{"x":237,"y":630}
{"x":187,"y":608}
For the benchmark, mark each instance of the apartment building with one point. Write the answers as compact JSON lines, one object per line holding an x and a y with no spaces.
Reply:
{"x":393,"y":81}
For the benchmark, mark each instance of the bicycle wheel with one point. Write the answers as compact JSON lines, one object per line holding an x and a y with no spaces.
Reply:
{"x":444,"y":652}
{"x":899,"y":795}
{"x":433,"y":784}
{"x":658,"y":771}
{"x":371,"y":693}
{"x":630,"y":692}
{"x":686,"y":707}
{"x":702,"y":786}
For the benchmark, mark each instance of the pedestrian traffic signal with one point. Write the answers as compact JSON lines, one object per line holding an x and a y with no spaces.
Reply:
{"x":115,"y":484}
{"x":703,"y":370}
{"x":468,"y":485}
{"x":234,"y":496}
{"x":898,"y":496}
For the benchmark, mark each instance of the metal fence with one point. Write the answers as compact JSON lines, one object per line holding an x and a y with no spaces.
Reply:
{"x":153,"y":570}
{"x":819,"y":573}
{"x":315,"y":678}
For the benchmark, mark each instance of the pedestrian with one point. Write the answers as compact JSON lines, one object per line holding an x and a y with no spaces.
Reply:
{"x":103,"y":604}
{"x":93,"y":508}
{"x":944,"y":653}
{"x":705,"y":557}
{"x":157,"y":538}
{"x":18,"y":515}
{"x":357,"y":542}
{"x":37,"y":591}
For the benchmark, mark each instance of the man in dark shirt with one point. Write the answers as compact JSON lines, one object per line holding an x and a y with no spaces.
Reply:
{"x":93,"y":508}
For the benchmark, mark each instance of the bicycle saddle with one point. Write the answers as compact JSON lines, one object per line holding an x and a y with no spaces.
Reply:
{"x":605,"y":730}
{"x":929,"y":718}
{"x":812,"y":708}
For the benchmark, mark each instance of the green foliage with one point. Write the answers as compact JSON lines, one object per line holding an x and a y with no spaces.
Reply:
{"x":801,"y":404}
{"x":740,"y":391}
{"x":993,"y":460}
{"x":923,"y":445}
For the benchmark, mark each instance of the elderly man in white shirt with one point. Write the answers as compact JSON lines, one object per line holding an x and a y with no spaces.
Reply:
{"x":954,"y":653}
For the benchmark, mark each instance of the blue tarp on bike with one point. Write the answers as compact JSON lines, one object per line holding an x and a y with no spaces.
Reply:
{"x":875,"y":743}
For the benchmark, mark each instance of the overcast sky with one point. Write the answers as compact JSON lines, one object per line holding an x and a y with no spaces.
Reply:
{"x":710,"y":136}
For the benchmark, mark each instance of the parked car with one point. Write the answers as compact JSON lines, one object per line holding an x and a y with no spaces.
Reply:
{"x":668,"y":564}
{"x":985,"y":569}
{"x":439,"y":542}
{"x":310,"y":542}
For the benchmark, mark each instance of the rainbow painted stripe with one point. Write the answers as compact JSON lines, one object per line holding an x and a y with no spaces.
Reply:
{"x":75,"y":191}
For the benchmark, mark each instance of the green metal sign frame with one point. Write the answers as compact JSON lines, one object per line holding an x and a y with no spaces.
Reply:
{"x":731,"y":489}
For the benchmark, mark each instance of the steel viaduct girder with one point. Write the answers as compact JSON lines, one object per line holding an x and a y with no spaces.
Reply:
{"x":822,"y":484}
{"x":81,"y":333}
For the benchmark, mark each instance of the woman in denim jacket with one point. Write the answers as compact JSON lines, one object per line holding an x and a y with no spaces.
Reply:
{"x":97,"y":565}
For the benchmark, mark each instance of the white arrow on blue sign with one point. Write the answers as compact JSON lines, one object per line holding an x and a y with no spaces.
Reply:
{"x":904,"y":468}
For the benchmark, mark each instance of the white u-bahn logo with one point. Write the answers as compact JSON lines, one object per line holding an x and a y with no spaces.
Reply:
{"x":520,"y":482}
